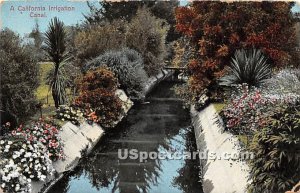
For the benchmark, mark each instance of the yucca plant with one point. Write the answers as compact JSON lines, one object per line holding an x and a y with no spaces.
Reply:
{"x":56,"y":50}
{"x":247,"y":66}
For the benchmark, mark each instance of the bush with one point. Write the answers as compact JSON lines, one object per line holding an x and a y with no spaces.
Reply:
{"x":97,"y":94}
{"x":248,"y":67}
{"x":21,"y":162}
{"x":276,"y":166}
{"x":146,"y":34}
{"x":19,"y":79}
{"x":127,"y":64}
{"x":95,"y":40}
{"x":284,"y":82}
{"x":248,"y":109}
{"x":73,"y":114}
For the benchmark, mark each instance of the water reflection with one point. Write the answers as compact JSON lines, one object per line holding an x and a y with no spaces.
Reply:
{"x":159,"y":126}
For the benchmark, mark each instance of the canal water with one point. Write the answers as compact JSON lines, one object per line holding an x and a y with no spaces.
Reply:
{"x":161,"y":125}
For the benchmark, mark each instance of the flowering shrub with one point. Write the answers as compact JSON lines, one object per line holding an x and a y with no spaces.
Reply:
{"x":44,"y":133}
{"x":98,"y":97}
{"x":285,"y":81}
{"x":73,"y":114}
{"x":21,"y":162}
{"x":249,"y":108}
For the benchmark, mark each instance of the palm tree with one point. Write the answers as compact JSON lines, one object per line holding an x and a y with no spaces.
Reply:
{"x":56,"y":50}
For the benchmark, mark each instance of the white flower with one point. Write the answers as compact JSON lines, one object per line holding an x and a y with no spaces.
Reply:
{"x":27,"y":154}
{"x":43,"y":177}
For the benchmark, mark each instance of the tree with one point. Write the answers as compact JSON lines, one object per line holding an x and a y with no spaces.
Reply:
{"x":56,"y":50}
{"x":126,"y":10}
{"x":36,"y":35}
{"x":146,"y":34}
{"x":19,"y":79}
{"x":217,"y":29}
{"x":97,"y":39}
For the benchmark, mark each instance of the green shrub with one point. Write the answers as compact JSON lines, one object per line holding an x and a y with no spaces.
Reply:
{"x":19,"y":79}
{"x":276,"y":167}
{"x":95,"y":40}
{"x":146,"y":34}
{"x":247,"y":66}
{"x":127,"y":64}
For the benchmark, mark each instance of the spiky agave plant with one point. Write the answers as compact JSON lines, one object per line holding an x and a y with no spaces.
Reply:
{"x":247,"y":66}
{"x":56,"y":50}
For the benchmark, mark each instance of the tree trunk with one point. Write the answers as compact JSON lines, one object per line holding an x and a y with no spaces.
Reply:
{"x":54,"y":91}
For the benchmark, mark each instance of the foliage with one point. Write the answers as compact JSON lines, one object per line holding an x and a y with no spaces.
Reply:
{"x":17,"y":95}
{"x":217,"y":29}
{"x":182,"y":52}
{"x":97,"y":91}
{"x":38,"y":41}
{"x":248,"y":109}
{"x":127,"y":64}
{"x":56,"y":50}
{"x":97,"y":39}
{"x":146,"y":34}
{"x":200,"y":101}
{"x":73,"y":114}
{"x":248,"y":67}
{"x":45,"y":133}
{"x":284,"y":82}
{"x":21,"y":162}
{"x":108,"y":11}
{"x":276,"y":166}
{"x":5,"y":129}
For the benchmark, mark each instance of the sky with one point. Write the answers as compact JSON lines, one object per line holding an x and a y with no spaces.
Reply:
{"x":14,"y":16}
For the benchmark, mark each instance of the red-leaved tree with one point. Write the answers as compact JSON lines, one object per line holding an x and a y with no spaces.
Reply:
{"x":217,"y":29}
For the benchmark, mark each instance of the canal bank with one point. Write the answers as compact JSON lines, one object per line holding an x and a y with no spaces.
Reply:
{"x":219,"y":175}
{"x":83,"y":139}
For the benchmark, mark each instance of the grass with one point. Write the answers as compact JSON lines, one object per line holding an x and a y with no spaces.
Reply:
{"x":219,"y":106}
{"x":44,"y":96}
{"x":243,"y":139}
{"x":42,"y":92}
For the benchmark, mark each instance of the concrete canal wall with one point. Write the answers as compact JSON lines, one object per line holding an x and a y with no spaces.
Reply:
{"x":218,"y":175}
